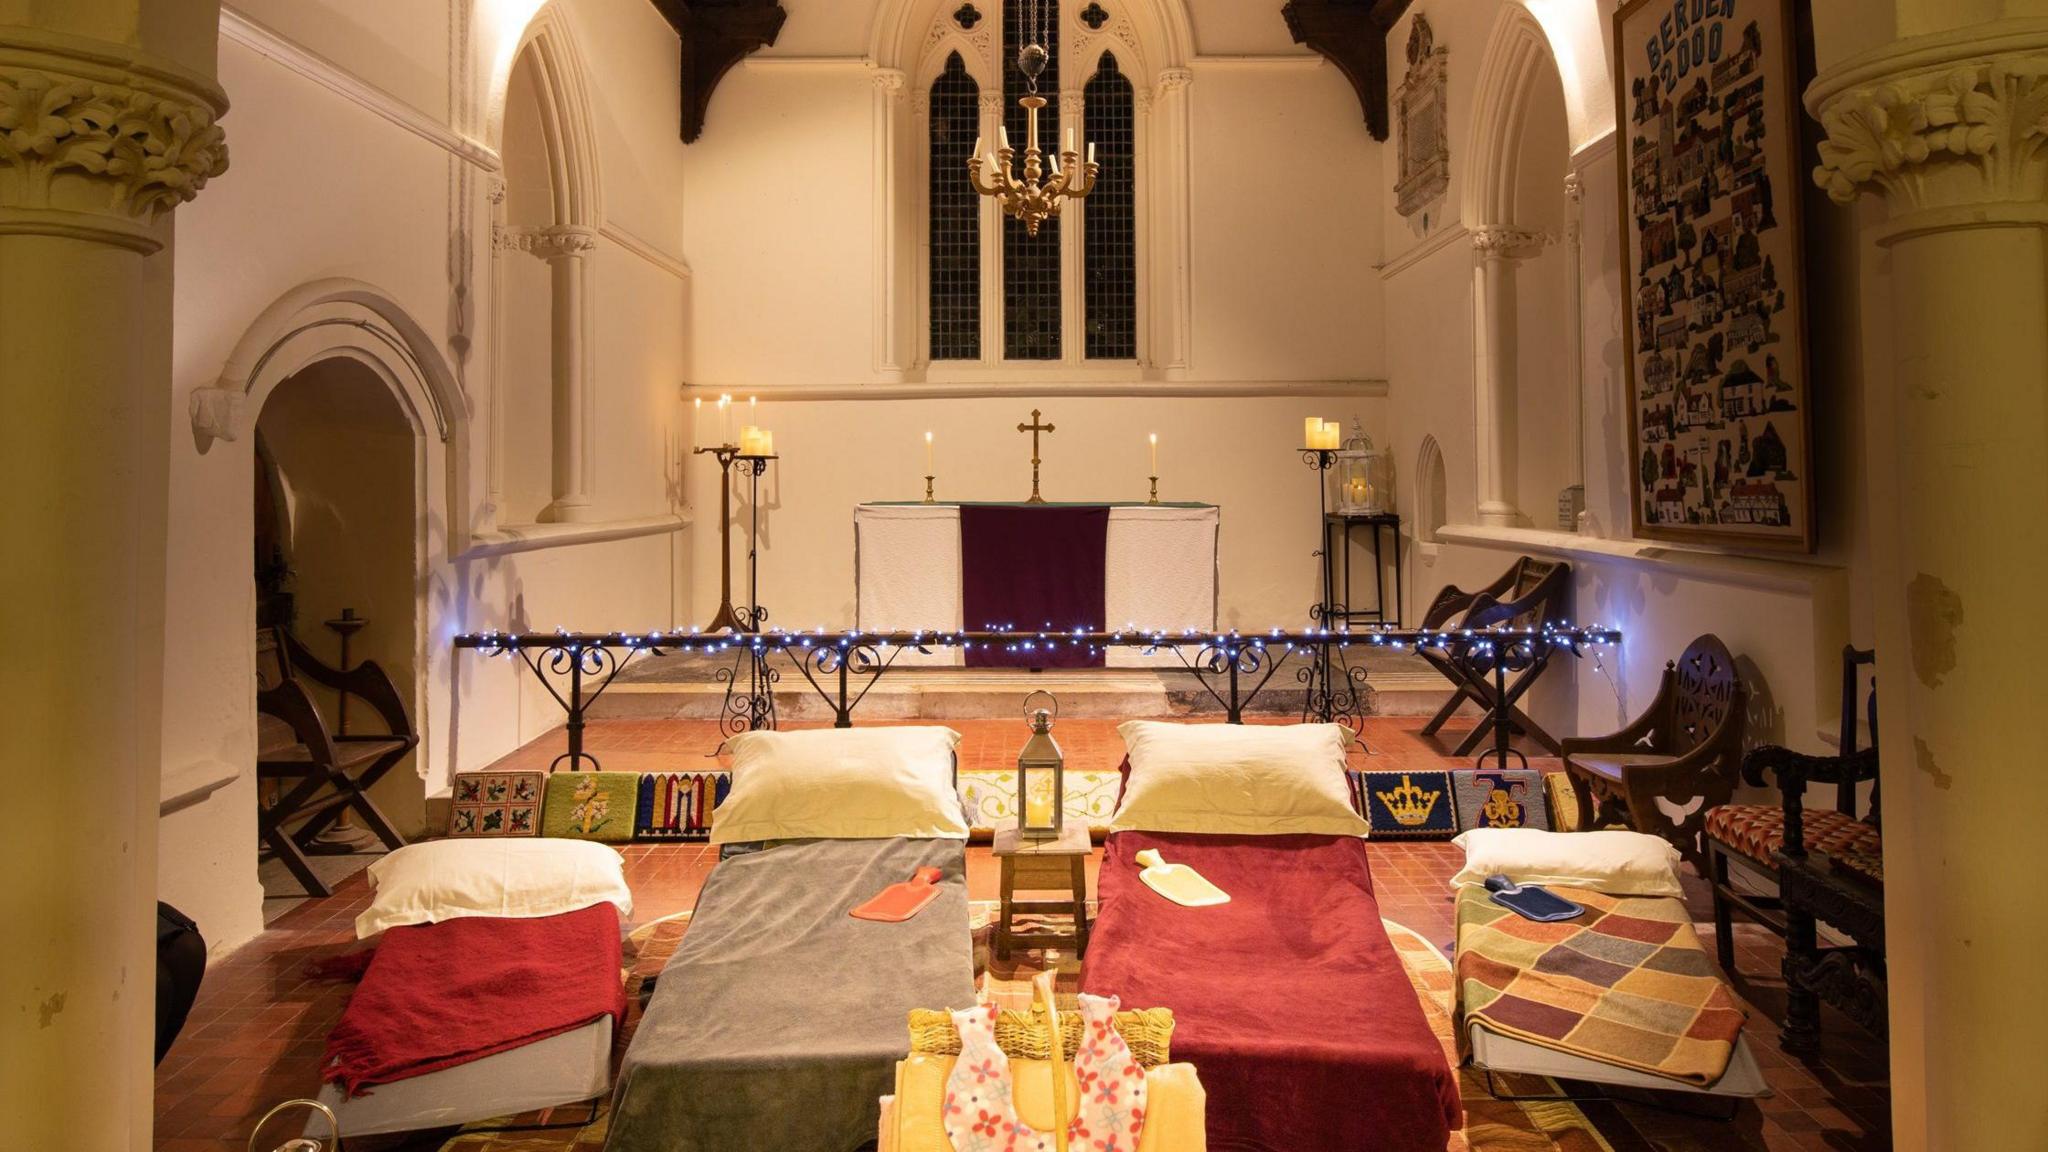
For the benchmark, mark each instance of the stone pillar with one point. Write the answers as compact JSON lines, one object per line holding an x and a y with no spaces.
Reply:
{"x":567,"y":249}
{"x":1172,"y":332}
{"x":1496,"y":248}
{"x":99,"y":141}
{"x":1946,"y":131}
{"x":894,"y":161}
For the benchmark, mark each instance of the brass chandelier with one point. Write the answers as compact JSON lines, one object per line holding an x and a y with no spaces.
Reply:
{"x":1038,"y":195}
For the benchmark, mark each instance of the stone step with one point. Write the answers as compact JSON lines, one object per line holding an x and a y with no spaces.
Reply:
{"x":686,"y":687}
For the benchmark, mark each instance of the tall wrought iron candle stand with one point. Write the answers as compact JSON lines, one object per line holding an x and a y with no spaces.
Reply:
{"x":726,"y":617}
{"x":1332,"y":690}
{"x":752,"y":708}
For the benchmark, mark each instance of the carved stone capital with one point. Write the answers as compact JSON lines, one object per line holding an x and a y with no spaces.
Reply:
{"x":992,"y":102}
{"x":888,"y":81}
{"x":1072,"y":104}
{"x":97,"y":146}
{"x":546,"y":243}
{"x":1507,"y":241}
{"x":1174,"y":80}
{"x":1942,"y":121}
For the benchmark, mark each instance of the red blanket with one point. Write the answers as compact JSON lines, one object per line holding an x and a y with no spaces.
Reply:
{"x":438,"y":995}
{"x":1289,"y":1000}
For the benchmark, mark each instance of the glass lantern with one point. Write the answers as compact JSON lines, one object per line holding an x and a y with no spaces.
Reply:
{"x":1041,"y":773}
{"x":1363,"y":476}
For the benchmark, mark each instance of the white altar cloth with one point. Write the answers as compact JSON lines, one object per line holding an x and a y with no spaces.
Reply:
{"x":1159,"y":571}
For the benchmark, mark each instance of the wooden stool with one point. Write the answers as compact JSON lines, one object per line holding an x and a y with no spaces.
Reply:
{"x":1059,"y":865}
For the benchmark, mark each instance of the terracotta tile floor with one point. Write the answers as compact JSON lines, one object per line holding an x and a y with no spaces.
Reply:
{"x":255,"y":1036}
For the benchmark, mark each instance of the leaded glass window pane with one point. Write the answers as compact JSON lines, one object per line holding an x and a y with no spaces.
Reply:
{"x":1031,"y":264}
{"x":955,"y":224}
{"x":1110,"y":243}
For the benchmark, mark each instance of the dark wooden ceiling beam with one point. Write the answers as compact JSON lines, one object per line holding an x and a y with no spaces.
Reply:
{"x":1352,"y":34}
{"x":716,"y":35}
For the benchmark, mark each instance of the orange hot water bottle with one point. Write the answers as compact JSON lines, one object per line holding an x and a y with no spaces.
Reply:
{"x":899,"y":902}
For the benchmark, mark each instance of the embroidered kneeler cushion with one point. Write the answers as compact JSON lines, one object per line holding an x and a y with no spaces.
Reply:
{"x":591,"y":806}
{"x":1510,"y":799}
{"x":1406,"y":805}
{"x":677,"y":805}
{"x":496,"y":804}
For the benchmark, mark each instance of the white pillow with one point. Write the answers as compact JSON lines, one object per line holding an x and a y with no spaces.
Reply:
{"x":1616,"y":862}
{"x":841,"y":784}
{"x":1246,"y":779}
{"x":437,"y":880}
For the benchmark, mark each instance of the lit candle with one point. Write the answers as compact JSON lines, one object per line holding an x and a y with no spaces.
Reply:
{"x":767,"y":445}
{"x":1038,"y":805}
{"x":928,"y":454}
{"x":754,"y":409}
{"x":725,"y":419}
{"x":1155,"y":453}
{"x":696,"y":419}
{"x":1311,"y":431}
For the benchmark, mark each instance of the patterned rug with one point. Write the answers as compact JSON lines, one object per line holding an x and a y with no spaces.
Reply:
{"x":1490,"y":1125}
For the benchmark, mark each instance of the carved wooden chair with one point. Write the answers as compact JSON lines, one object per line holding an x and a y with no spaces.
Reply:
{"x":320,"y":773}
{"x":1841,"y":884}
{"x":1748,"y":836}
{"x":1684,"y":750}
{"x":1529,"y":594}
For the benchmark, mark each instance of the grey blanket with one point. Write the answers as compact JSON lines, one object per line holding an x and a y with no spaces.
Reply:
{"x":780,"y":1018}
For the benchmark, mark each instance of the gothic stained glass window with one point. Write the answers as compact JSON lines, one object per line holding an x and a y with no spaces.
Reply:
{"x":1110,"y":220}
{"x":955,"y":224}
{"x":1031,"y":264}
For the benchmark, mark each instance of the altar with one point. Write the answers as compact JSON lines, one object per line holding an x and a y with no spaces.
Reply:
{"x":1157,"y":568}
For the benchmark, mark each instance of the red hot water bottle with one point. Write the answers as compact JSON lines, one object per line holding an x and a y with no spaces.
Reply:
{"x":899,"y":902}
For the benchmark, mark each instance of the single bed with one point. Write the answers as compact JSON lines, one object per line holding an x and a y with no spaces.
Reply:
{"x":1289,"y":1000}
{"x":476,"y":1017}
{"x":1622,"y":996}
{"x":779,"y":1021}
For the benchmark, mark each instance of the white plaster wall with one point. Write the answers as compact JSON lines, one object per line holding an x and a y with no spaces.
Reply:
{"x":1283,"y":304}
{"x":1785,"y":618}
{"x":377,"y":188}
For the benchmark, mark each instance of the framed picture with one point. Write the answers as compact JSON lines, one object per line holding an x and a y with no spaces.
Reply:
{"x":1707,"y":96}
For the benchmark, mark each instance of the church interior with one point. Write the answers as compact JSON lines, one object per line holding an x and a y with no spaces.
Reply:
{"x":974,"y":575}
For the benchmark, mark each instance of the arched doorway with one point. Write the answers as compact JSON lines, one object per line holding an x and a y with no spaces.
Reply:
{"x":337,"y":531}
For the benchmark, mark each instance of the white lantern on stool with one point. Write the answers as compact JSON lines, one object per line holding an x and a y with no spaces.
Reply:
{"x":1041,"y":773}
{"x":1363,"y":476}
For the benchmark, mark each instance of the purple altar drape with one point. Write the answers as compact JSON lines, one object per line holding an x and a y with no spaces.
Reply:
{"x":1033,"y":568}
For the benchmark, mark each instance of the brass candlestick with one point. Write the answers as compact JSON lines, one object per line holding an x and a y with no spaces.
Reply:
{"x":928,"y":491}
{"x":1155,"y":491}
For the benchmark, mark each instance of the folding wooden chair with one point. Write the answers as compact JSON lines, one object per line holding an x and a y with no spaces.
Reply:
{"x":321,"y":773}
{"x":1530,"y":593}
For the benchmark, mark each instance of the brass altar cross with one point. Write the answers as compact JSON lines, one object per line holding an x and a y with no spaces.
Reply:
{"x":1034,"y":428}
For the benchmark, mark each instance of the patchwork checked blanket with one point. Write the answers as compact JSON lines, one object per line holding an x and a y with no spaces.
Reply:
{"x":1627,"y":983}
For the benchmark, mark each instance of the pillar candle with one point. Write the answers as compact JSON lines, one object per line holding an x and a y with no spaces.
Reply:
{"x":767,"y":439}
{"x":1311,"y":431}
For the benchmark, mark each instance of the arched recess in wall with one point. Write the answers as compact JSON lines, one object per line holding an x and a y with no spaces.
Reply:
{"x":1432,"y":492}
{"x":341,"y":319}
{"x":546,"y":216}
{"x":910,"y":44}
{"x":1525,"y":290}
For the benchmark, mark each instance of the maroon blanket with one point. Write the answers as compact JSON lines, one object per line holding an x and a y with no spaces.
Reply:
{"x":1289,"y":1000}
{"x":1034,"y":567}
{"x":438,"y":995}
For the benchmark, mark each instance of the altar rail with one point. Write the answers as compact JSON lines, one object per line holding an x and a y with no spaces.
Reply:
{"x":841,"y":667}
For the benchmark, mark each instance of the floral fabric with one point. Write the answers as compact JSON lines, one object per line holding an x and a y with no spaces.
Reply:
{"x":979,"y":1113}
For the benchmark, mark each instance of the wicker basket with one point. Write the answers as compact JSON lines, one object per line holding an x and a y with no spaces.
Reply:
{"x":1022,"y":1035}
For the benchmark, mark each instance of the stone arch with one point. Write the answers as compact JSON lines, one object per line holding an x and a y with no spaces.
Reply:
{"x":1507,"y":73}
{"x":549,"y":41}
{"x":341,"y":317}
